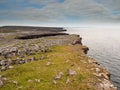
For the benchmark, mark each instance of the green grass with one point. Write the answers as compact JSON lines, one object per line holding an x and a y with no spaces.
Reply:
{"x":62,"y":58}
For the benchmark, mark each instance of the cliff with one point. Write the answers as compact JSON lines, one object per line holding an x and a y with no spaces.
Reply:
{"x":52,"y":62}
{"x":7,"y":29}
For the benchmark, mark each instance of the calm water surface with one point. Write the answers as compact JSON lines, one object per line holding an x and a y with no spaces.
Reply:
{"x":104,"y":45}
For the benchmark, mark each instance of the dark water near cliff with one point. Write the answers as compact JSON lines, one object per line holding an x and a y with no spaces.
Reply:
{"x":104,"y":45}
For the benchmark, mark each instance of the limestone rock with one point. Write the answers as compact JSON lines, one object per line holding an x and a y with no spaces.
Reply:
{"x":20,"y":87}
{"x":4,"y":63}
{"x":5,"y":79}
{"x":59,"y":76}
{"x":1,"y":82}
{"x":3,"y":68}
{"x":71,"y":72}
{"x":15,"y":82}
{"x":97,"y":70}
{"x":10,"y":67}
{"x":67,"y":81}
{"x":106,"y":85}
{"x":29,"y":80}
{"x":93,"y":61}
{"x":42,"y":57}
{"x":21,"y":61}
{"x":37,"y":80}
{"x":54,"y":82}
{"x":48,"y":63}
{"x":78,"y":41}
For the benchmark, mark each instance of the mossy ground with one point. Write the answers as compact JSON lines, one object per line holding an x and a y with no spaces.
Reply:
{"x":61,"y":58}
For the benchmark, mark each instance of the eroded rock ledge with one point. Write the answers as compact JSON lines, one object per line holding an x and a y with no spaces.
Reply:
{"x":46,"y":34}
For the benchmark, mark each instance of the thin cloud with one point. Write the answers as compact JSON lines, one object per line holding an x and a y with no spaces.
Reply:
{"x":56,"y":11}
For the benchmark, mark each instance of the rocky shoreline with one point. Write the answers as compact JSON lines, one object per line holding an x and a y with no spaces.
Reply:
{"x":33,"y":46}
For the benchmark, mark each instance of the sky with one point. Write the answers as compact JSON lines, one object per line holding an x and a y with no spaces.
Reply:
{"x":60,"y":12}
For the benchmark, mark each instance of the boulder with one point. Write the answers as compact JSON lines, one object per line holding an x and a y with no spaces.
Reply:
{"x":78,"y":41}
{"x":4,"y":63}
{"x":85,"y":49}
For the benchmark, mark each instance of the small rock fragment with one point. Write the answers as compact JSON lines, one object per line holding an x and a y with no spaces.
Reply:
{"x":54,"y":82}
{"x":29,"y":80}
{"x":97,"y":70}
{"x":59,"y":76}
{"x":91,"y":60}
{"x":37,"y":80}
{"x":21,"y":61}
{"x":34,"y":58}
{"x":20,"y":87}
{"x":10,"y":67}
{"x":67,"y":61}
{"x":78,"y":68}
{"x":3,"y":68}
{"x":15,"y":82}
{"x":42,"y":57}
{"x":71,"y":72}
{"x":5,"y":79}
{"x":28,"y":60}
{"x":48,"y":63}
{"x":68,"y":81}
{"x":105,"y":76}
{"x":61,"y":73}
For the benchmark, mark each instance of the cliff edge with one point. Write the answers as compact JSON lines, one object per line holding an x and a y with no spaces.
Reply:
{"x":57,"y":62}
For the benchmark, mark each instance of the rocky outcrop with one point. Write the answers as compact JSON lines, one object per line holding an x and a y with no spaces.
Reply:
{"x":29,"y":28}
{"x":106,"y":85}
{"x":85,"y":49}
{"x":29,"y":47}
{"x":40,"y":35}
{"x":78,"y":40}
{"x":103,"y":75}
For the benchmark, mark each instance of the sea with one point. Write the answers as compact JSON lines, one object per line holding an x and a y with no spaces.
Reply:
{"x":104,"y":46}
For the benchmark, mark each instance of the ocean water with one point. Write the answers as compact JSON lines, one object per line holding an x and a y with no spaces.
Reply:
{"x":104,"y":45}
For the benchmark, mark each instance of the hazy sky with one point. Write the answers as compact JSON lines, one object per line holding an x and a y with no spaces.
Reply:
{"x":59,"y":12}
